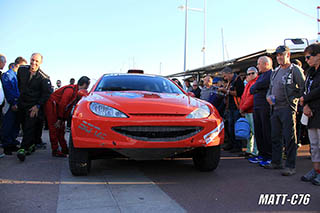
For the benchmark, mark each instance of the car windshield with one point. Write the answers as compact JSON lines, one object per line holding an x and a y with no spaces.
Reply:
{"x":137,"y":83}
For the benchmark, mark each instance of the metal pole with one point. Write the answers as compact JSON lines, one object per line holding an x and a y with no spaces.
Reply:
{"x":204,"y":33}
{"x":185,"y":37}
{"x":222,"y":37}
{"x":318,"y":19}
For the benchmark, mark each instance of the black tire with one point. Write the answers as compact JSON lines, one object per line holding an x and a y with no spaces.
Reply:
{"x":206,"y":159}
{"x":79,"y":161}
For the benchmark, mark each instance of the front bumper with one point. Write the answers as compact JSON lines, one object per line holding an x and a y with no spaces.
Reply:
{"x":91,"y":131}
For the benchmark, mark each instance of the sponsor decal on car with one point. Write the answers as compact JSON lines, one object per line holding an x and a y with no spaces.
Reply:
{"x":214,"y":133}
{"x":92,"y":129}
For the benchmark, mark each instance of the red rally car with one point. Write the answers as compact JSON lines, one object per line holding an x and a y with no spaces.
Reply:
{"x":143,"y":117}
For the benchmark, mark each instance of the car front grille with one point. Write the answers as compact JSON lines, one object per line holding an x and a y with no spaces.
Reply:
{"x":158,"y":133}
{"x":157,"y":115}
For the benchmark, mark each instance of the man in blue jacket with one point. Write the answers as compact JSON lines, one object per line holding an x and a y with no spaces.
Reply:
{"x":10,"y":124}
{"x":261,"y":112}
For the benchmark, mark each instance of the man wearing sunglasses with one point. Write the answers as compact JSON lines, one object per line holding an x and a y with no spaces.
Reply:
{"x":311,"y":102}
{"x":246,"y":109}
{"x":196,"y":89}
{"x":286,"y":86}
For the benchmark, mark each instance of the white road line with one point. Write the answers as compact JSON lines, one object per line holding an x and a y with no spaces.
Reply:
{"x":118,"y":188}
{"x":35,"y":182}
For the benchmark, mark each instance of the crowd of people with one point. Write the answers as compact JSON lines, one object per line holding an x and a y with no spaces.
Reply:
{"x":269,"y":98}
{"x":28,"y":99}
{"x":273,"y":100}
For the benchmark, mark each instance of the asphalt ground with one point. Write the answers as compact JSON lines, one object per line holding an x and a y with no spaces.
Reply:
{"x":44,"y":184}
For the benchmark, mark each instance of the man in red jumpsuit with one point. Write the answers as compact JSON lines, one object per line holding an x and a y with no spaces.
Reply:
{"x":57,"y":109}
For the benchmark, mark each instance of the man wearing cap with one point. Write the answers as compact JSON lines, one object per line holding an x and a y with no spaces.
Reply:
{"x":286,"y":86}
{"x":233,"y":92}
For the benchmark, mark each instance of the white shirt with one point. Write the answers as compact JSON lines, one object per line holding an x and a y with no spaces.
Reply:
{"x":1,"y":93}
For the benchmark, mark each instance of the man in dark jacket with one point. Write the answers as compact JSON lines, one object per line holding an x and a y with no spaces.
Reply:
{"x":34,"y":92}
{"x":261,"y":112}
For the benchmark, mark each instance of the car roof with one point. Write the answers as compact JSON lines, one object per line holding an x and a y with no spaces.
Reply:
{"x":132,"y":74}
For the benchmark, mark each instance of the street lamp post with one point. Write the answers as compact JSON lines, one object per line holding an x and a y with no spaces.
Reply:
{"x":185,"y":37}
{"x":204,"y":33}
{"x":318,"y":19}
{"x":186,"y":8}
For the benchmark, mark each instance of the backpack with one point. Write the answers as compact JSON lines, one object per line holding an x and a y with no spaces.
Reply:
{"x":242,"y":129}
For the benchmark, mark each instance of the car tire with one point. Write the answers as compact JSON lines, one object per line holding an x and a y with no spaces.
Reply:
{"x":206,"y":159}
{"x":79,"y":161}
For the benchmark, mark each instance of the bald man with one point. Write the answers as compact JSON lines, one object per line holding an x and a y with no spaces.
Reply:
{"x":261,"y":112}
{"x":34,"y":87}
{"x":3,"y":61}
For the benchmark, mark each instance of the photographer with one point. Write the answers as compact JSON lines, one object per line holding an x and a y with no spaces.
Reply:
{"x":216,"y":98}
{"x":233,"y":92}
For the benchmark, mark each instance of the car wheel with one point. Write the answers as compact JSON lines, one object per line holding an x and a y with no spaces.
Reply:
{"x":206,"y":159}
{"x":79,"y":161}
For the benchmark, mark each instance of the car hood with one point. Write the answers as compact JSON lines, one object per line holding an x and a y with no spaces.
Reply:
{"x":139,"y":102}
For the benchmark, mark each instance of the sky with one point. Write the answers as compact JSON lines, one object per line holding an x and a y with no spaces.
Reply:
{"x":95,"y":37}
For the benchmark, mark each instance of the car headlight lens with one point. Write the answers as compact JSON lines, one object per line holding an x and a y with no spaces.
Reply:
{"x":201,"y":112}
{"x":106,"y":111}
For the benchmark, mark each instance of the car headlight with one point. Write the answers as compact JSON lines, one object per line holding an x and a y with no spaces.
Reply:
{"x":202,"y":112}
{"x":106,"y":111}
